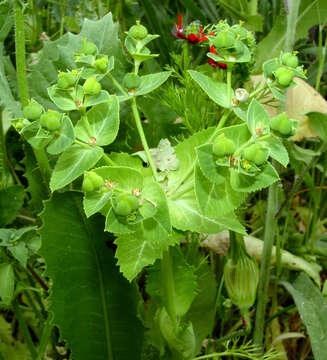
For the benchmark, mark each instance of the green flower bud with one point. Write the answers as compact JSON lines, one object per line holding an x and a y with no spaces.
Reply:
{"x":138,"y":31}
{"x":284,"y":76}
{"x":131,"y":81}
{"x":66,"y":79}
{"x":88,"y":48}
{"x":241,"y":281}
{"x":290,"y":60}
{"x":51,"y":120}
{"x":239,"y":31}
{"x":282,"y":124}
{"x":33,"y":110}
{"x":223,"y":146}
{"x":101,"y":64}
{"x":256,"y":153}
{"x":224,"y":39}
{"x":92,"y":181}
{"x":125,"y":204}
{"x":91,"y":86}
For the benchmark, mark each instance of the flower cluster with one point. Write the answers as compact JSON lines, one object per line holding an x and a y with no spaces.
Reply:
{"x":194,"y":34}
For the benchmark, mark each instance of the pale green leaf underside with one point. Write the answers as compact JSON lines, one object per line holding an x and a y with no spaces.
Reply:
{"x":93,"y":305}
{"x":65,"y":138}
{"x":257,"y":117}
{"x":7,"y":283}
{"x":277,"y":150}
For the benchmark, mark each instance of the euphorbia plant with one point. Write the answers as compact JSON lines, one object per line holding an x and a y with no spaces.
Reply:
{"x":157,"y":214}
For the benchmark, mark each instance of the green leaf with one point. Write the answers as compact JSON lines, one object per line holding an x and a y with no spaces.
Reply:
{"x":63,"y":98}
{"x":36,"y":186}
{"x":277,"y":149}
{"x":203,"y":321}
{"x":216,"y":199}
{"x":142,"y":248}
{"x":6,"y":19}
{"x":59,"y":54}
{"x":257,"y":117}
{"x":7,"y":99}
{"x":183,"y":279}
{"x":149,"y":83}
{"x":11,"y":200}
{"x":87,"y":283}
{"x":65,"y":138}
{"x":318,"y":121}
{"x":7,"y":283}
{"x":186,"y":216}
{"x":91,"y":100}
{"x":216,"y":91}
{"x":95,"y":201}
{"x":244,"y":57}
{"x":244,"y":183}
{"x":186,"y":155}
{"x":208,"y":164}
{"x":312,"y":307}
{"x":101,"y":123}
{"x":72,"y":163}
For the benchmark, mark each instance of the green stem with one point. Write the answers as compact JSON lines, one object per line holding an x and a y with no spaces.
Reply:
{"x":40,"y":154}
{"x":255,"y":92}
{"x":169,"y":285}
{"x":45,"y":337}
{"x":253,"y":7}
{"x":143,"y":138}
{"x":321,"y":57}
{"x":24,"y":329}
{"x":62,"y":22}
{"x":269,"y":236}
{"x":116,"y":83}
{"x":229,"y":84}
{"x":20,"y":53}
{"x":291,"y":24}
{"x":185,"y":55}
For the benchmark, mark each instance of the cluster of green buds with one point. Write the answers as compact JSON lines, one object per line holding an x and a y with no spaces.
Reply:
{"x":93,"y":182}
{"x":281,"y":71}
{"x":283,"y":126}
{"x":67,"y":79}
{"x":231,"y":43}
{"x":125,"y":204}
{"x":241,"y":276}
{"x":51,"y":120}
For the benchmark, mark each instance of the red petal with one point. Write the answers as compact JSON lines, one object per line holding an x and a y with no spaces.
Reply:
{"x":192,"y":38}
{"x":179,"y":21}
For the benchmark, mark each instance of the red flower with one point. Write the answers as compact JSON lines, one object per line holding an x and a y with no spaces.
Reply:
{"x":192,"y":38}
{"x":214,"y":63}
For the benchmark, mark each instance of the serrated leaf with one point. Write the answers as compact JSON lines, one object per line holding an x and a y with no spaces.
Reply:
{"x":186,"y":154}
{"x":36,"y":187}
{"x":257,"y":117}
{"x":72,"y":163}
{"x":65,"y":138}
{"x":217,"y":91}
{"x":142,"y":248}
{"x":203,"y":321}
{"x":312,"y":307}
{"x":186,"y":216}
{"x":216,"y":199}
{"x":277,"y":149}
{"x":87,"y":283}
{"x":11,"y":200}
{"x":103,"y":123}
{"x":183,"y":279}
{"x":7,"y":283}
{"x":244,"y":183}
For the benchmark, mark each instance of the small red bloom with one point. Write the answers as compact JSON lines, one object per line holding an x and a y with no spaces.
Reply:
{"x":214,"y":63}
{"x":192,"y":38}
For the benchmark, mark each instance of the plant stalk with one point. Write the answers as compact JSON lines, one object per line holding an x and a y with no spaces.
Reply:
{"x":24,"y":329}
{"x":229,"y":84}
{"x":269,"y":236}
{"x":291,"y":24}
{"x":143,"y":138}
{"x":169,"y":285}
